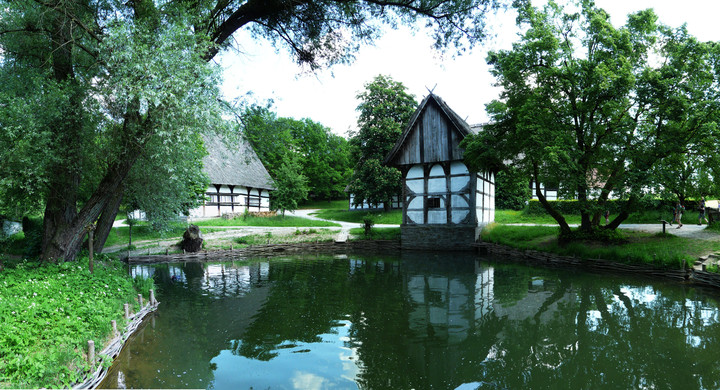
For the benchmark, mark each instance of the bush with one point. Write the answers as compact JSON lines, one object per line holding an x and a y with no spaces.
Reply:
{"x":33,"y":229}
{"x":368,"y":222}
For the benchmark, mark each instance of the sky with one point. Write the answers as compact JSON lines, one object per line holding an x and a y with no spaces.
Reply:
{"x":464,"y":82}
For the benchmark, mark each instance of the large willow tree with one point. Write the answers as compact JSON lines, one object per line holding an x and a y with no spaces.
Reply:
{"x":597,"y":108}
{"x":87,"y":85}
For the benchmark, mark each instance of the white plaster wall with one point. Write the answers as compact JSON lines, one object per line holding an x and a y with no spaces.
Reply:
{"x":416,"y":216}
{"x":459,"y":215}
{"x":458,"y":167}
{"x":415,"y":172}
{"x":458,"y":183}
{"x":416,"y":203}
{"x":437,"y":216}
{"x":415,"y":185}
{"x":438,"y":184}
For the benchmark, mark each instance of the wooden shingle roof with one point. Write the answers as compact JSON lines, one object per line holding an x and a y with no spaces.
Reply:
{"x":434,"y":103}
{"x":235,"y":163}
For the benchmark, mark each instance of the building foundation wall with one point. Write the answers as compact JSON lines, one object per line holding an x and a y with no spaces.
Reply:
{"x":439,"y":237}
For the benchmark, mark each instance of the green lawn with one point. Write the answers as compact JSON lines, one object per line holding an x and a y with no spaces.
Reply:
{"x":142,"y":231}
{"x":637,"y":247}
{"x":340,"y":204}
{"x":392,"y":217}
{"x":376,"y":234}
{"x":651,"y":217}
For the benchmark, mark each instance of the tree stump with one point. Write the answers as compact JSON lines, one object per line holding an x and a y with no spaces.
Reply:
{"x":192,"y":239}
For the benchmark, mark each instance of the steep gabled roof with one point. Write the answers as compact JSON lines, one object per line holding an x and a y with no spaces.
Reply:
{"x":458,"y":123}
{"x":234,"y":163}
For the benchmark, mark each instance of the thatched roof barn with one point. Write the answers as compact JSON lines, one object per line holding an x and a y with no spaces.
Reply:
{"x":239,"y":180}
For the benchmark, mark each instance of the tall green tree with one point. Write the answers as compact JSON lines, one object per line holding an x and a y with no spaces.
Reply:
{"x":292,"y":187}
{"x":594,"y":107}
{"x":108,"y":77}
{"x":323,"y":157}
{"x":385,"y":109}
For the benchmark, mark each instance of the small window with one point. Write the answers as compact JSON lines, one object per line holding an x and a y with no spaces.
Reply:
{"x":433,"y":203}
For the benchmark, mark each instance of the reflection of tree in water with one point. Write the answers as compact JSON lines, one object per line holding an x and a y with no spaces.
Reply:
{"x":192,"y":324}
{"x":599,"y":335}
{"x":427,"y":321}
{"x":307,"y":300}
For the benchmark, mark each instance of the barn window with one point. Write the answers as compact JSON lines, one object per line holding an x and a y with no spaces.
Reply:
{"x":433,"y":203}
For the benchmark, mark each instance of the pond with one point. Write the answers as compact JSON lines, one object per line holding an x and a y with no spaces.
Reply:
{"x":417,"y":321}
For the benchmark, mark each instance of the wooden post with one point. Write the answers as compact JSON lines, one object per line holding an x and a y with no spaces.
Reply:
{"x":91,"y":353}
{"x":152,"y":297}
{"x":140,"y":300}
{"x":90,"y":248}
{"x":127,"y":311}
{"x":114,"y":326}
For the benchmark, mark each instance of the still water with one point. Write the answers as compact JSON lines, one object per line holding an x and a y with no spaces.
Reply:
{"x":418,"y":321}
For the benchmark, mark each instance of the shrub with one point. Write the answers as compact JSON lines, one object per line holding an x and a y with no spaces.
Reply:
{"x":368,"y":222}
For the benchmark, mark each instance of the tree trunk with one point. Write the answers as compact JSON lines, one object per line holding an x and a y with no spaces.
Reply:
{"x":624,"y":213}
{"x":564,"y":227}
{"x":60,"y":207}
{"x":63,"y":241}
{"x":107,"y":218}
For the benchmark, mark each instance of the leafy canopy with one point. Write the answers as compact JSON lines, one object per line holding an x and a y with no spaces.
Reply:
{"x":385,"y":109}
{"x":596,"y":108}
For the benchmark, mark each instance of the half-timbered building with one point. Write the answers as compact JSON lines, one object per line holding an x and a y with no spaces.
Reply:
{"x":445,"y":204}
{"x":239,"y":180}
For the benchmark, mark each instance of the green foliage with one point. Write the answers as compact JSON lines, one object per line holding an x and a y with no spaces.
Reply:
{"x":368,"y":223}
{"x":166,"y":183}
{"x":597,"y":108}
{"x":49,"y":312}
{"x":385,"y":109}
{"x":512,"y":189}
{"x":323,"y":157}
{"x":87,"y":89}
{"x":291,"y":187}
{"x":32,"y":229}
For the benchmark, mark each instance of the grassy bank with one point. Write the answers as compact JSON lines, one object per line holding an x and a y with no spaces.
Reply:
{"x":644,"y":217}
{"x":376,"y":234}
{"x":392,"y":217}
{"x":299,"y":236}
{"x":49,"y":312}
{"x":664,"y":250}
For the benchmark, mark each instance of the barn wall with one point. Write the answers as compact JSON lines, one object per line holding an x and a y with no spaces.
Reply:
{"x":235,"y":199}
{"x":431,"y":139}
